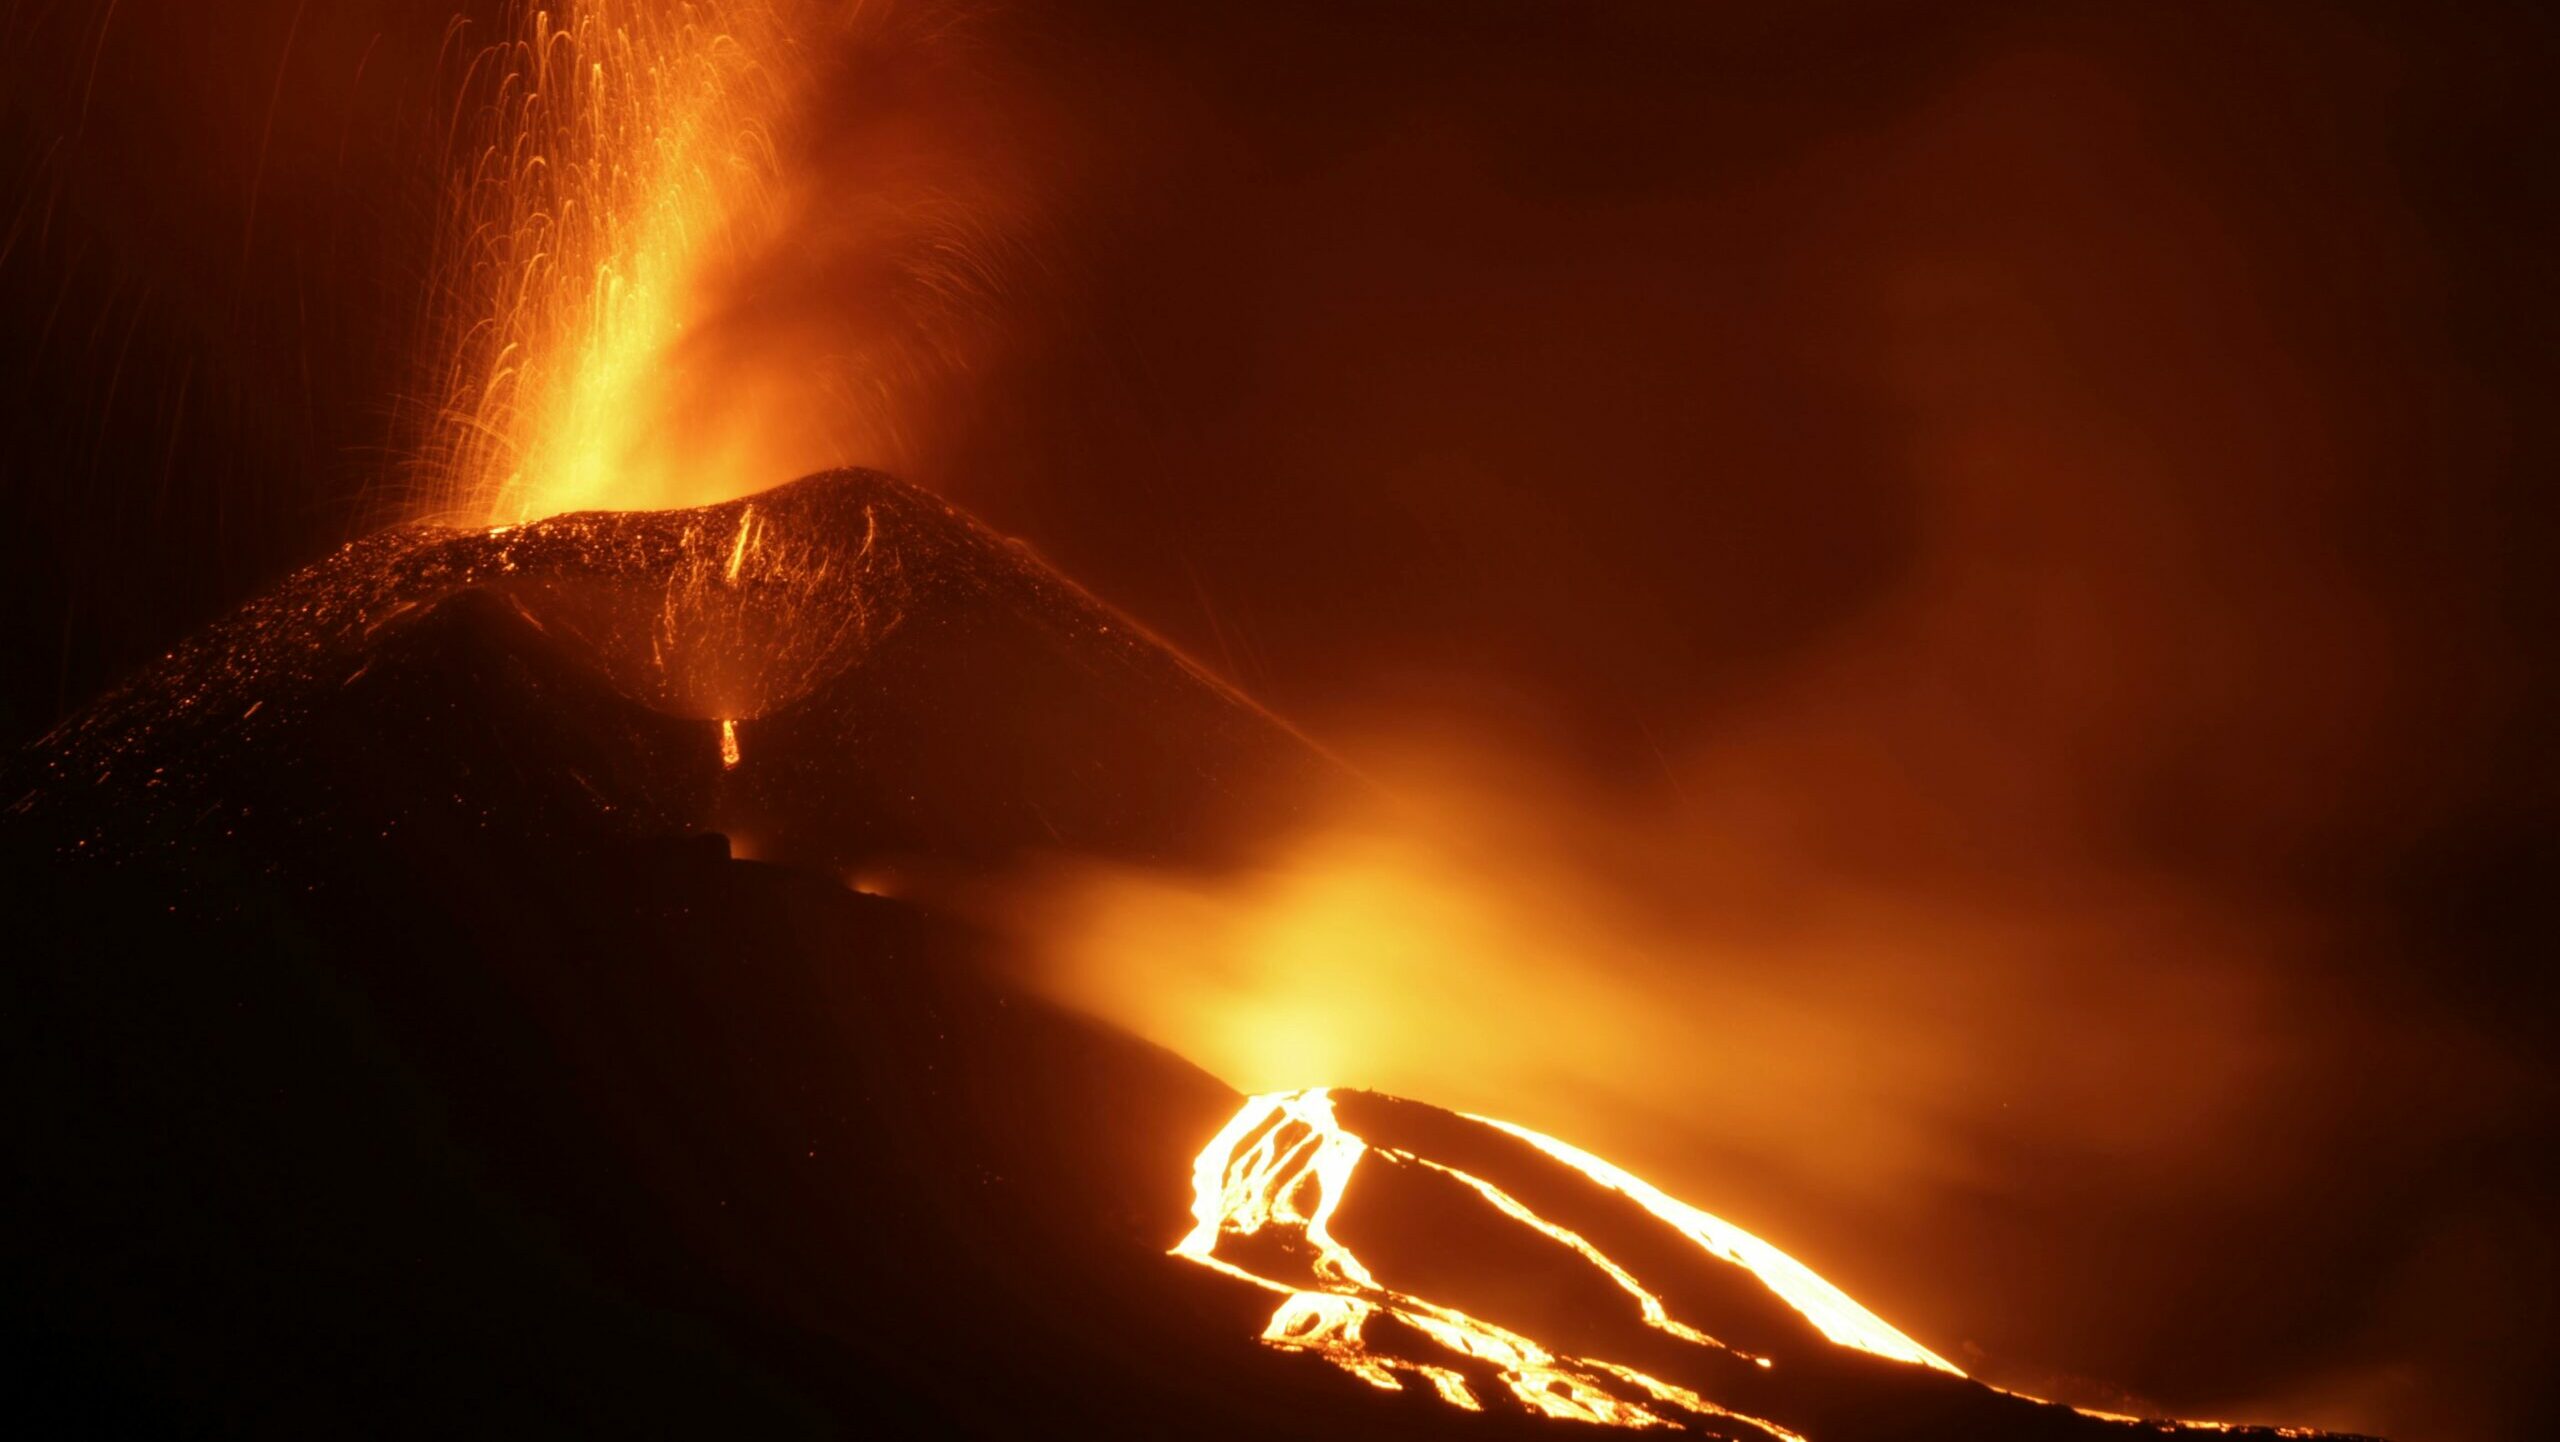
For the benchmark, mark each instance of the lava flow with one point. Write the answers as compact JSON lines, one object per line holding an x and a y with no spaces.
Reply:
{"x":1268,"y":1199}
{"x":1284,"y":1162}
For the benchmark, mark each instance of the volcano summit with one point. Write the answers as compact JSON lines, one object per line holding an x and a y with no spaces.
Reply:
{"x":898,"y":679}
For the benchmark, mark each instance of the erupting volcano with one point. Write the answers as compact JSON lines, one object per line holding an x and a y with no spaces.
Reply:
{"x":557,"y":962}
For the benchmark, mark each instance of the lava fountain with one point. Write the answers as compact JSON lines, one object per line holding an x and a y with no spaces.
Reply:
{"x":610,"y":159}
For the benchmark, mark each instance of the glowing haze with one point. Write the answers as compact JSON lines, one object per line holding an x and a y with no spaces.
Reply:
{"x":1841,"y":1060}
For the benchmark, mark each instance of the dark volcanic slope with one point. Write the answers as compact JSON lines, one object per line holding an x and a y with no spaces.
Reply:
{"x":390,"y":1045}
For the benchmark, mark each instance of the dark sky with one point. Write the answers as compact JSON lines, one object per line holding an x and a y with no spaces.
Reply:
{"x":1991,"y":446}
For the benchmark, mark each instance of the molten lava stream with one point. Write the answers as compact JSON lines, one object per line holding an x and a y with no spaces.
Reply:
{"x":1267,"y":1193}
{"x":1281,"y":1166}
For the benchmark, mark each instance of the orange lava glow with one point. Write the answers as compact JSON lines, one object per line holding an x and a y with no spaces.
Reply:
{"x":1266,"y":1191}
{"x":1823,"y":1304}
{"x":611,"y":157}
{"x":1283,"y":1163}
